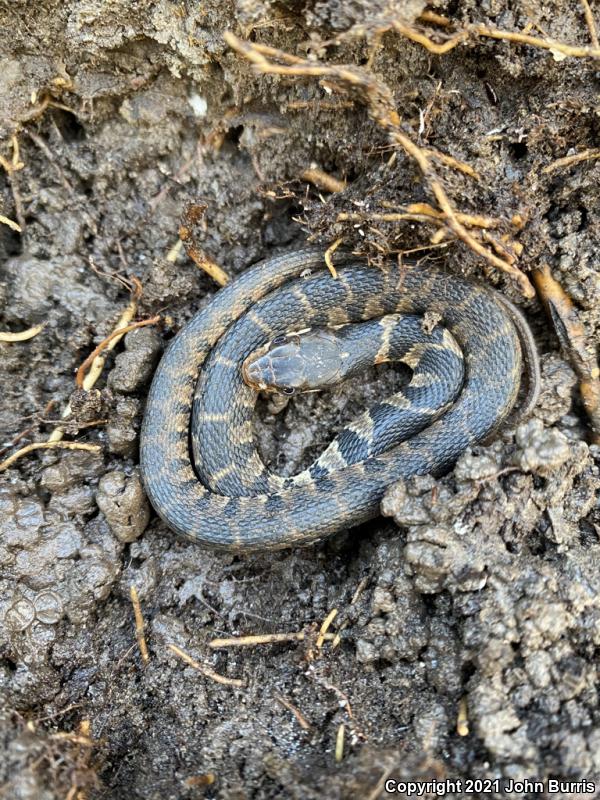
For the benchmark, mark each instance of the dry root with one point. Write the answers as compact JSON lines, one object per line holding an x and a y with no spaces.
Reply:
{"x":193,"y":216}
{"x":573,"y":338}
{"x":423,"y":36}
{"x":378,"y":98}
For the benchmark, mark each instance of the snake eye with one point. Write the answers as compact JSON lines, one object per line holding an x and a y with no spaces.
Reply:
{"x":281,"y":339}
{"x":289,"y":390}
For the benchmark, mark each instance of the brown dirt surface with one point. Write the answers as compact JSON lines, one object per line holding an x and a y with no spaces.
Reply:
{"x":469,"y":614}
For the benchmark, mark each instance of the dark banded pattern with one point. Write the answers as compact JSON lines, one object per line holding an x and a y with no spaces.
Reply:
{"x":224,"y":448}
{"x":483,"y":327}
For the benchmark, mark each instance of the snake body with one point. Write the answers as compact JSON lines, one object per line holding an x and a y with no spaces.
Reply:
{"x":266,"y":512}
{"x":225,"y":455}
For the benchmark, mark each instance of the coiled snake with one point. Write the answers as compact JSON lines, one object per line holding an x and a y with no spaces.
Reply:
{"x":231,"y":501}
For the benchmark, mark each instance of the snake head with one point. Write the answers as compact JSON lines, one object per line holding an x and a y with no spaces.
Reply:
{"x":306,"y":361}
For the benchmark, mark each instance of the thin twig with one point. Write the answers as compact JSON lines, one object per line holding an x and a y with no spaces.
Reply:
{"x":360,"y":589}
{"x":327,"y":255}
{"x":304,"y":724}
{"x":380,"y":785}
{"x":94,"y":356}
{"x":436,"y":19}
{"x":15,"y":163}
{"x":320,"y":104}
{"x":139,"y":624}
{"x":591,"y":23}
{"x":455,"y":163}
{"x":568,"y":161}
{"x":573,"y":339}
{"x":22,"y":336}
{"x":16,"y":439}
{"x":135,"y":288}
{"x":323,"y":180}
{"x":420,"y":38}
{"x":49,"y":155}
{"x":499,"y":247}
{"x":266,"y":638}
{"x":560,"y":48}
{"x":10,"y":223}
{"x":193,"y":215}
{"x":11,"y":167}
{"x":545,"y":44}
{"x":205,"y":670}
{"x":94,"y":448}
{"x":325,"y":627}
{"x":417,"y":211}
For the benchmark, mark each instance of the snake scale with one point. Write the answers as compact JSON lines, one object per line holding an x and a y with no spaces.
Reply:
{"x":243,"y":510}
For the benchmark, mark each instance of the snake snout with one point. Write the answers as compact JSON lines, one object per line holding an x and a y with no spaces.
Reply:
{"x":253,"y":373}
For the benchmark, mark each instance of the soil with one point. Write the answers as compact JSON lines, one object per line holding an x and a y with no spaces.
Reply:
{"x":468,"y":615}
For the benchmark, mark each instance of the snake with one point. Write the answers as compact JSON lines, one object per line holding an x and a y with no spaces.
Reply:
{"x":199,"y":459}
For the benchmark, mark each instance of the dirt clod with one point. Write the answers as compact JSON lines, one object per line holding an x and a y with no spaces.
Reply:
{"x":123,"y":502}
{"x":134,"y":367}
{"x":122,"y":429}
{"x":540,"y":450}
